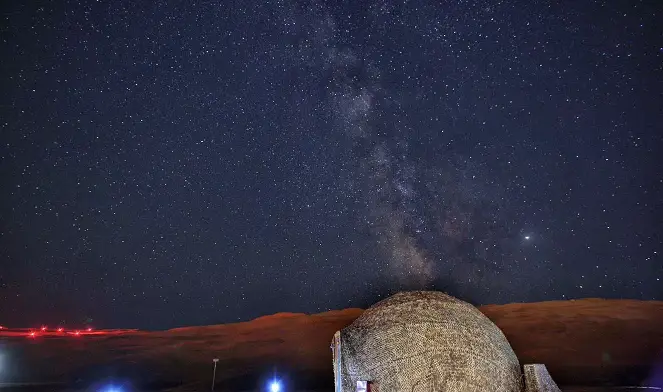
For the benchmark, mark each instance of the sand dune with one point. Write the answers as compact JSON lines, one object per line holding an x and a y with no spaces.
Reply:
{"x":583,"y":342}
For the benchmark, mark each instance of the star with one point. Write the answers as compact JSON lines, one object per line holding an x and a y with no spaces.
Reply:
{"x":240,"y":164}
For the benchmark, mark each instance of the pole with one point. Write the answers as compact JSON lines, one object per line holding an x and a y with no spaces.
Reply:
{"x":214,"y":374}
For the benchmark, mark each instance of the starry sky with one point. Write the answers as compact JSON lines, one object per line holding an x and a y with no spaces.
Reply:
{"x":178,"y":163}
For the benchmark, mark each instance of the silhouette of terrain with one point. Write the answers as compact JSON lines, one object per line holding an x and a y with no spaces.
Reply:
{"x":589,"y":342}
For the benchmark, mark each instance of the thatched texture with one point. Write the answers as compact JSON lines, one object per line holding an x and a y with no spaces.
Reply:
{"x":425,"y":341}
{"x":537,"y":379}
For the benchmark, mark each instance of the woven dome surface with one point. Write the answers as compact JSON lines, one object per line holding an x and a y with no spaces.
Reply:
{"x":425,"y":341}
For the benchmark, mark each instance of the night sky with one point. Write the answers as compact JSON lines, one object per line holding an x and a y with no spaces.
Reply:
{"x":175,"y":163}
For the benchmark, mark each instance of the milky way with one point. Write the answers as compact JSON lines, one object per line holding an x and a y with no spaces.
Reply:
{"x":189,"y":163}
{"x":436,"y":222}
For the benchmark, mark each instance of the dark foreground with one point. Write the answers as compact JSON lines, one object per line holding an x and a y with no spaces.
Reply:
{"x":200,"y":388}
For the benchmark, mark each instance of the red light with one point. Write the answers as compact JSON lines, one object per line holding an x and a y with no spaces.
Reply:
{"x":77,"y":333}
{"x":60,"y":329}
{"x":33,"y":334}
{"x":89,"y":329}
{"x":43,"y":328}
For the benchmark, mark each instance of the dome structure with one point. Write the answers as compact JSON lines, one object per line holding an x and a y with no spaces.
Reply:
{"x":424,"y":341}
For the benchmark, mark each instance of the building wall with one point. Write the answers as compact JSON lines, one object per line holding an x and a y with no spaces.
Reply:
{"x":427,"y":342}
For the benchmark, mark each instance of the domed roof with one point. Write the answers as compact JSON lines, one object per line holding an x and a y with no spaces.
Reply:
{"x":429,"y":341}
{"x":415,"y":307}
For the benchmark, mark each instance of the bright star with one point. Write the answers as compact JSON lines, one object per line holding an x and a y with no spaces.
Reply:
{"x":527,"y":237}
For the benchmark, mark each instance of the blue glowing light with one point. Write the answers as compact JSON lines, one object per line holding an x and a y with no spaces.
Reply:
{"x":110,"y":388}
{"x":275,"y":386}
